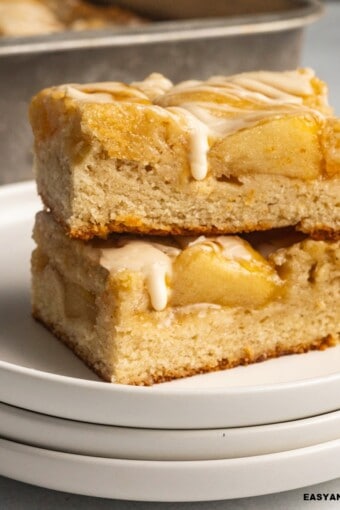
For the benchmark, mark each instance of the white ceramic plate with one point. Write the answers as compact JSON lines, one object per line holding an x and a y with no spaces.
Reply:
{"x":38,"y":373}
{"x":159,"y":444}
{"x":170,"y":481}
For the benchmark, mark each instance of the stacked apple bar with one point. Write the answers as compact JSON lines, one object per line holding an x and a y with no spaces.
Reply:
{"x":187,"y":228}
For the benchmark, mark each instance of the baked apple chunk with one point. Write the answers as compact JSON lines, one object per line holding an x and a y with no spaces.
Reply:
{"x":225,"y":271}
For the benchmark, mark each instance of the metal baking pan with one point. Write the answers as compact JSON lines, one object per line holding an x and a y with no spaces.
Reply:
{"x":229,"y":42}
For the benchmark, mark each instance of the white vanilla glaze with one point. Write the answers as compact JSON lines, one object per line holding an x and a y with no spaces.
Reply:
{"x":153,"y":86}
{"x":224,"y":105}
{"x":231,"y":247}
{"x":155,"y":259}
{"x":217,"y":107}
{"x":199,"y":142}
{"x":145,"y":257}
{"x":108,"y":92}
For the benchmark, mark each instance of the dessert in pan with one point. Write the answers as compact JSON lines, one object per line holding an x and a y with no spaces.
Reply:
{"x":35,"y":17}
{"x":216,"y":169}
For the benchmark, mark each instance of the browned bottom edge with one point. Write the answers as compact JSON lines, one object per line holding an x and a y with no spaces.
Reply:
{"x":101,"y":369}
{"x":91,"y":230}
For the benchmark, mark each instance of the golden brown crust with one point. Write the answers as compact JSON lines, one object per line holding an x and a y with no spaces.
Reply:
{"x":102,"y":231}
{"x":322,"y":233}
{"x":318,"y":344}
{"x":101,"y":370}
{"x":114,"y":227}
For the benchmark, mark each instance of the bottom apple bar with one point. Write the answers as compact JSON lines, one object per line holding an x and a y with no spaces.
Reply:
{"x":141,"y":310}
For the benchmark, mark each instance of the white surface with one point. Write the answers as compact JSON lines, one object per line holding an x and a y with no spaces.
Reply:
{"x":156,"y":444}
{"x":38,"y":373}
{"x":170,"y":481}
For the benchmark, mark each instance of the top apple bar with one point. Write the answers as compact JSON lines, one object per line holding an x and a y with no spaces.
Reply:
{"x":253,"y":151}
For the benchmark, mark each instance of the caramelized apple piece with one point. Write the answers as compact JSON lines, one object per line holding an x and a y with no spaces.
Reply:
{"x":225,"y":271}
{"x":287,"y":146}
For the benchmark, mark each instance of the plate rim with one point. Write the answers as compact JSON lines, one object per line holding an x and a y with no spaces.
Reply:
{"x":204,"y":480}
{"x":111,"y":441}
{"x":179,"y":392}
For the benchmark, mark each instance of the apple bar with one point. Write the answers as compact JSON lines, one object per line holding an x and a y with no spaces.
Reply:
{"x":233,"y":154}
{"x":142,"y":310}
{"x":22,"y":18}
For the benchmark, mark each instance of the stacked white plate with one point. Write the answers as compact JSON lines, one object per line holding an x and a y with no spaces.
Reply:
{"x":253,"y":430}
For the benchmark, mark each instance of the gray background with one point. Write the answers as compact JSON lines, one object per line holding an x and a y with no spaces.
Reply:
{"x":321,"y":51}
